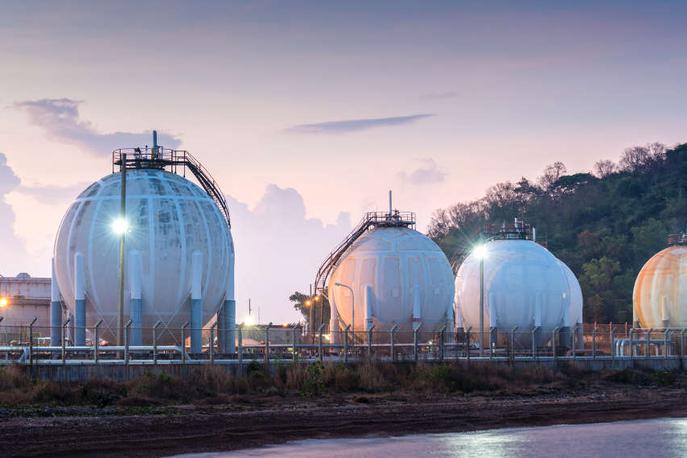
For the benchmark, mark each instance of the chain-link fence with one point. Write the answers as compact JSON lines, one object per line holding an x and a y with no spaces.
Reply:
{"x":32,"y":344}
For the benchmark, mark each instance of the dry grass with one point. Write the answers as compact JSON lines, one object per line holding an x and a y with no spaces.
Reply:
{"x":212,"y":385}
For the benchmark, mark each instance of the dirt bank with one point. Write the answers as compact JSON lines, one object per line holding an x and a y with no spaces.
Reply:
{"x":241,"y":423}
{"x":209,"y":410}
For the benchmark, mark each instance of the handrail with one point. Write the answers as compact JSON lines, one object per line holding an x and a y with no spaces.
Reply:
{"x":165,"y":158}
{"x":371,"y":219}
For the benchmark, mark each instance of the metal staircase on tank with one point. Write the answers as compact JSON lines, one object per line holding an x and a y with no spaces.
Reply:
{"x":158,"y":157}
{"x":392,"y":218}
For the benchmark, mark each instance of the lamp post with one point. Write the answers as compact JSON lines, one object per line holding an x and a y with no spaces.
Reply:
{"x":122,"y":239}
{"x":481,"y":252}
{"x":341,"y":285}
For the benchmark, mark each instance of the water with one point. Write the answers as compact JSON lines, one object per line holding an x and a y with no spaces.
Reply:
{"x":656,"y":438}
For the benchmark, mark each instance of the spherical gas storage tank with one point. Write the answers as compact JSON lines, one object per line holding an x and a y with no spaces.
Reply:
{"x":660,"y":291}
{"x":176,"y":238}
{"x":398,"y":277}
{"x":524,"y":286}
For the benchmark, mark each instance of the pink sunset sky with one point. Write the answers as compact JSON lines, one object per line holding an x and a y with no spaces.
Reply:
{"x":306,"y":113}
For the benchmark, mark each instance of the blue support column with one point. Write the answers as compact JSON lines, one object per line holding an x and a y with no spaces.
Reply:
{"x":79,"y":301}
{"x":136,"y":301}
{"x":196,"y":302}
{"x":228,"y":326}
{"x":55,"y":311}
{"x":227,"y":317}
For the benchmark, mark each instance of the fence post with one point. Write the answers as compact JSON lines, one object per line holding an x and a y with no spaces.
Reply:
{"x":611,"y":338}
{"x":64,"y":340}
{"x":211,"y":348}
{"x":320,"y":346}
{"x":666,"y":335}
{"x":467,"y":342}
{"x":31,"y":339}
{"x":294,"y":356}
{"x":512,"y":343}
{"x":240,"y":343}
{"x":346,"y":343}
{"x":183,"y":342}
{"x":393,"y":342}
{"x":155,"y":342}
{"x":647,"y":344}
{"x":574,"y":341}
{"x":442,"y":333}
{"x":126,"y":342}
{"x":594,"y":342}
{"x":267,"y":343}
{"x":554,"y":343}
{"x":416,"y":329}
{"x":96,"y":341}
{"x":534,"y":342}
{"x":632,"y":343}
{"x":682,"y":342}
{"x":492,"y":340}
{"x":369,"y":341}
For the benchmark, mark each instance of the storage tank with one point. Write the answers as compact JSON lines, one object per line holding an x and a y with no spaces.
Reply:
{"x":524,"y":286}
{"x":178,"y":251}
{"x":660,"y":290}
{"x":391,"y":275}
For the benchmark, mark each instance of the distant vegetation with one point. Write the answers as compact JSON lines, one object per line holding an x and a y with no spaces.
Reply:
{"x":604,"y":224}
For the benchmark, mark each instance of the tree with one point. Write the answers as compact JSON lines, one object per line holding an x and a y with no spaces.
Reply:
{"x":319,"y":305}
{"x":604,"y":168}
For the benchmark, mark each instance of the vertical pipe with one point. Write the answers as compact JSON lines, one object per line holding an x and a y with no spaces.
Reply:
{"x":369,"y":301}
{"x":79,"y":301}
{"x":334,"y":322}
{"x":136,"y":300}
{"x":227,"y":316}
{"x":55,"y":310}
{"x":391,"y":206}
{"x":122,"y":244}
{"x":196,"y":302}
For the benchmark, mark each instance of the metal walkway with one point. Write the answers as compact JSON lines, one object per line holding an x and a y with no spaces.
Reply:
{"x":370,"y":220}
{"x":157,"y":157}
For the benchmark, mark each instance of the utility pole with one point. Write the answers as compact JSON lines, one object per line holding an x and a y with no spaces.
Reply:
{"x":122,"y":240}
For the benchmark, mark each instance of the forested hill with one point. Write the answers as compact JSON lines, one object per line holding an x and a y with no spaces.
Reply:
{"x":604,"y":224}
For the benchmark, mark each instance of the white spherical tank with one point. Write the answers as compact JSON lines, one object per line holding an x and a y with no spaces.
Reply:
{"x":660,"y":291}
{"x":524,"y":286}
{"x":175,"y":231}
{"x":576,"y":298}
{"x":397,"y":276}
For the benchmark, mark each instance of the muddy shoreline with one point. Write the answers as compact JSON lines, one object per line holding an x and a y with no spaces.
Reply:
{"x":247,"y":423}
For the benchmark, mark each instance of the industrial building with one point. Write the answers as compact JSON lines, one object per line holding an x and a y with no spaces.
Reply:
{"x":24,"y":298}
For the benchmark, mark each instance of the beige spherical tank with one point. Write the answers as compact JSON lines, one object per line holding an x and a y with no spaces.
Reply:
{"x":660,"y":291}
{"x":398,"y":276}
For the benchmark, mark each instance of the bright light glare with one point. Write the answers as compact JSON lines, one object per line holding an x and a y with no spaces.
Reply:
{"x":120,"y":226}
{"x":480,"y":251}
{"x":4,"y":302}
{"x":249,"y":320}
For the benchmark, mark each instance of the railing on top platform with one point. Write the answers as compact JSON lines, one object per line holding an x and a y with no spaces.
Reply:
{"x":171,"y":160}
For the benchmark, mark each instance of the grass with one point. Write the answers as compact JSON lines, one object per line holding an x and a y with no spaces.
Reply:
{"x":214,"y":386}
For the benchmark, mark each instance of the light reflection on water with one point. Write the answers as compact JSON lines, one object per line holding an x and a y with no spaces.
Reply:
{"x":656,"y":438}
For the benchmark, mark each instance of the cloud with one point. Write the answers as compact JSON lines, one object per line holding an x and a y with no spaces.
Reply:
{"x":428,"y":173}
{"x":53,"y":194}
{"x":355,"y":125}
{"x":441,"y":95}
{"x":61,"y":121}
{"x":11,"y":247}
{"x":278,"y":250}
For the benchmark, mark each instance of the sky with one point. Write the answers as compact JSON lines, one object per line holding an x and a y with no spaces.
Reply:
{"x":306,"y":113}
